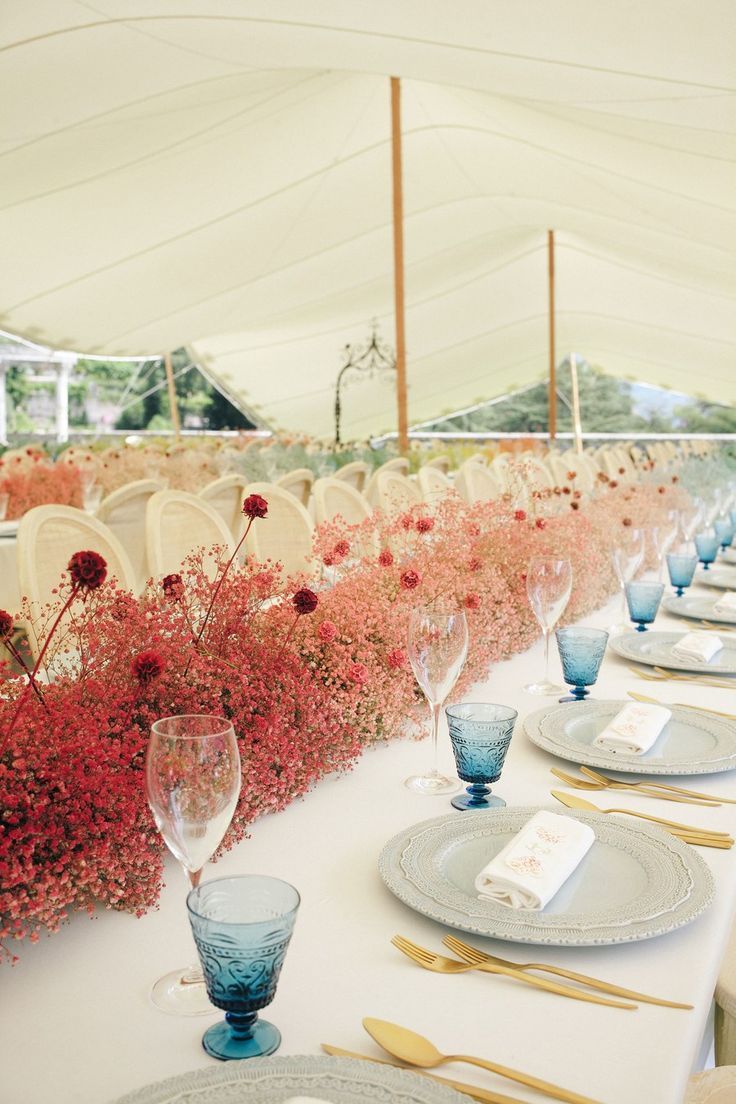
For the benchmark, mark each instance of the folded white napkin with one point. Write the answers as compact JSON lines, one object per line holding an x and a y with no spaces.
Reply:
{"x":634,"y":728}
{"x":726,"y":604}
{"x":700,"y":646}
{"x":536,"y":862}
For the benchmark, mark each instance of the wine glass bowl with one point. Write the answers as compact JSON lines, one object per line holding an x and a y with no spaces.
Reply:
{"x":706,"y":544}
{"x":437,"y":643}
{"x":242,"y":928}
{"x":193,"y":779}
{"x":681,"y":568}
{"x":480,"y":734}
{"x":581,"y":653}
{"x":548,"y":586}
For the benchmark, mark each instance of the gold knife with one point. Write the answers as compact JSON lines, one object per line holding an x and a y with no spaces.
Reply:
{"x":487,"y":1096}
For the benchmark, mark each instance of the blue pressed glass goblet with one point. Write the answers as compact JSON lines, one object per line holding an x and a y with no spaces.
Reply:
{"x":724,"y":531}
{"x":707,"y":546}
{"x":242,"y":927}
{"x":643,"y":601}
{"x":480,"y":734}
{"x":581,"y":653}
{"x":681,"y":568}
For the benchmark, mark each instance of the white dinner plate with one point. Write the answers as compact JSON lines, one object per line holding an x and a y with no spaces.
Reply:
{"x":692,"y":742}
{"x":655,"y":649}
{"x":635,"y":882}
{"x":274,"y":1080}
{"x":728,"y":556}
{"x":724,"y":578}
{"x":697,"y":606}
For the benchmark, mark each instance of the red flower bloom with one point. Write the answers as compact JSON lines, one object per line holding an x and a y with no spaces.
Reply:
{"x":622,"y":471}
{"x":571,"y":475}
{"x":88,"y":570}
{"x":6,"y":624}
{"x":406,"y":521}
{"x":425,"y":524}
{"x":146,"y":667}
{"x":574,"y":505}
{"x":327,"y":631}
{"x":661,"y":490}
{"x":613,"y":483}
{"x":173,"y":586}
{"x":396,"y":658}
{"x":386,"y":558}
{"x":519,"y":515}
{"x":471,"y":601}
{"x":565,"y":490}
{"x":341,"y":549}
{"x":626,"y":521}
{"x":577,"y":494}
{"x":475,"y":564}
{"x":410,"y":579}
{"x":305,"y":601}
{"x":255,"y":506}
{"x":358,"y":672}
{"x":540,"y":523}
{"x":675,"y":479}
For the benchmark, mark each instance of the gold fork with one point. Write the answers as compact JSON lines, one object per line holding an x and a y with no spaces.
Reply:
{"x":472,"y":954}
{"x":681,"y":705}
{"x":696,"y":796}
{"x":600,"y":782}
{"x":440,"y":964}
{"x":694,"y":676}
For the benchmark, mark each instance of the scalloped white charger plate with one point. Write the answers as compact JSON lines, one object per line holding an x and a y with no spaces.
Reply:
{"x":274,"y":1080}
{"x":655,"y":649}
{"x":692,"y":742}
{"x":697,"y":606}
{"x":636,"y":882}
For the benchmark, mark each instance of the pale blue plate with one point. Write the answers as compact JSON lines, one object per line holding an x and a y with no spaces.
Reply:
{"x":655,"y":649}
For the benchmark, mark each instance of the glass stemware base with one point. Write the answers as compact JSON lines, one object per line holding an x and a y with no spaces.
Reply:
{"x":544,"y":688}
{"x":477,"y":796}
{"x":182,"y":993}
{"x":241,"y":1036}
{"x":432,"y":784}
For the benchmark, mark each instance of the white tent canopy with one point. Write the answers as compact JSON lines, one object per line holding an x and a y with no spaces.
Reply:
{"x":218,"y":175}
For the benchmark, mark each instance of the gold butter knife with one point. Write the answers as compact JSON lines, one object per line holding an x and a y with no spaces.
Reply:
{"x":487,"y":1096}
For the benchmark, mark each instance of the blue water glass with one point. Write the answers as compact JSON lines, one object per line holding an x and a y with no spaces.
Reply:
{"x":724,"y":531}
{"x":681,"y":568}
{"x":643,"y":601}
{"x":480,"y":734}
{"x":707,"y":546}
{"x":581,"y":653}
{"x":242,"y":927}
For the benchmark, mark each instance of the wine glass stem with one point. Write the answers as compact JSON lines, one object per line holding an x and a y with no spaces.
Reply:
{"x":546,"y":635}
{"x":434,"y":710}
{"x":624,"y":609}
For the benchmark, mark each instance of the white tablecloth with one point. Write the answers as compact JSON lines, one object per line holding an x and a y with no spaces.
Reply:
{"x":77,"y":1026}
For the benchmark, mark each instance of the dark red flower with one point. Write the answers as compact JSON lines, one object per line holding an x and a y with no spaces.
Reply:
{"x":574,"y":505}
{"x":385,"y":558}
{"x":410,"y":579}
{"x":87,"y":569}
{"x":146,"y":667}
{"x":397,"y":658}
{"x":519,"y":515}
{"x":173,"y":586}
{"x":341,"y":549}
{"x":471,"y":601}
{"x":565,"y":490}
{"x":255,"y":506}
{"x":661,"y":489}
{"x":406,"y":521}
{"x":622,"y":471}
{"x":675,"y":479}
{"x":475,"y":563}
{"x":571,"y":475}
{"x":613,"y":483}
{"x":540,"y":523}
{"x":626,"y":521}
{"x":425,"y":524}
{"x":6,"y":624}
{"x":305,"y":601}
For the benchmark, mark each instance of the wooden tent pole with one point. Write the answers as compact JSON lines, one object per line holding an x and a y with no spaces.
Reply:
{"x":173,"y":408}
{"x":552,"y":399}
{"x":398,"y":221}
{"x":576,"y":419}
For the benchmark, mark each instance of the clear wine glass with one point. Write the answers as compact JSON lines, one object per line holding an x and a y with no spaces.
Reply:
{"x":437,"y":645}
{"x":664,"y":536}
{"x":627,"y":558}
{"x":192,"y":784}
{"x":548,"y":584}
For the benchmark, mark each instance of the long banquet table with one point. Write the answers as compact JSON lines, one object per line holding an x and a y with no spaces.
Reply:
{"x":78,"y":1028}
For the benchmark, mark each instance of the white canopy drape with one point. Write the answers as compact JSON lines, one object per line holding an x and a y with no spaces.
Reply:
{"x":218,"y":175}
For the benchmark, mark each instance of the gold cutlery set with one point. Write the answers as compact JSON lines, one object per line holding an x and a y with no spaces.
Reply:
{"x":661,"y":674}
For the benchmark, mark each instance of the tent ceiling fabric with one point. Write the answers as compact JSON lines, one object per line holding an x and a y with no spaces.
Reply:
{"x":218,"y":175}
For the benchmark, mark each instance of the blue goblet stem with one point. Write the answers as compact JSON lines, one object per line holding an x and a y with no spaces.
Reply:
{"x":241,"y":1024}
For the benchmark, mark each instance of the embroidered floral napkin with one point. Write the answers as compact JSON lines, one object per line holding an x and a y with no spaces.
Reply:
{"x":634,"y":729}
{"x":536,"y":862}
{"x":726,"y":604}
{"x":699,"y":646}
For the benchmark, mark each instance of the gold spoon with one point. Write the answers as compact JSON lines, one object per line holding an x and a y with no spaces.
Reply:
{"x":415,"y":1050}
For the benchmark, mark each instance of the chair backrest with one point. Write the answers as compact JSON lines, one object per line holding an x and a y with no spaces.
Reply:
{"x":299,"y":483}
{"x":477,"y":483}
{"x":443,"y":463}
{"x":177,"y":524}
{"x":399,"y":465}
{"x":396,"y":492}
{"x":433,"y":483}
{"x":285,"y":534}
{"x":537,"y":475}
{"x":226,"y":495}
{"x":48,"y":537}
{"x":356,"y":474}
{"x":334,"y":497}
{"x":124,"y":512}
